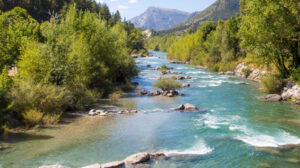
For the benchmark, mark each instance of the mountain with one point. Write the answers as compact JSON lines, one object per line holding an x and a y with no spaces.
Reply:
{"x":160,"y":18}
{"x":221,"y":9}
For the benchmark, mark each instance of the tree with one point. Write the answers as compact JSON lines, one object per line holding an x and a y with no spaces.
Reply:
{"x":16,"y":28}
{"x":271,"y":29}
{"x":105,"y":13}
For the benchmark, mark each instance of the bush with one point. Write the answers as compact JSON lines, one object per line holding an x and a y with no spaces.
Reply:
{"x":129,"y":106}
{"x":163,"y":69}
{"x":115,"y":95}
{"x":29,"y":100}
{"x":271,"y":84}
{"x":50,"y":119}
{"x":5,"y":85}
{"x":81,"y":97}
{"x":167,"y":84}
{"x":295,"y":75}
{"x":247,"y":71}
{"x":32,"y":117}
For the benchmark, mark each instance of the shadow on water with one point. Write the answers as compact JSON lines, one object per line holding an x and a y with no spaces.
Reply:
{"x":12,"y":137}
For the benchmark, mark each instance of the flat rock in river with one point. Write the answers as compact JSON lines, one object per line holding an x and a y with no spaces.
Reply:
{"x":97,"y":165}
{"x":273,"y":98}
{"x":117,"y":164}
{"x":137,"y":158}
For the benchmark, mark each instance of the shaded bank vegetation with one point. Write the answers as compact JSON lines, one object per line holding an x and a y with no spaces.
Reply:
{"x":265,"y":34}
{"x":63,"y":63}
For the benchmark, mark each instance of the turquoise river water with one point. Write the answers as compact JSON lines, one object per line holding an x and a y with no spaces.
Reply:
{"x":233,"y":129}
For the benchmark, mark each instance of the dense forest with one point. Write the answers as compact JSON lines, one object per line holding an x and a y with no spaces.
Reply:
{"x":264,"y":33}
{"x":57,"y":56}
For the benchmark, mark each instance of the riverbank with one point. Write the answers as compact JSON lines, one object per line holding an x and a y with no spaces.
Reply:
{"x":290,"y":92}
{"x":231,"y":124}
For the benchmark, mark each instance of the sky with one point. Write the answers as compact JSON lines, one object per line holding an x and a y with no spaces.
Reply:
{"x":132,"y":8}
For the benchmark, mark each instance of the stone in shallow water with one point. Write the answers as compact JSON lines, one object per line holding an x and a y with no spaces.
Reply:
{"x":273,"y":98}
{"x":137,"y":158}
{"x":190,"y":107}
{"x":117,"y":164}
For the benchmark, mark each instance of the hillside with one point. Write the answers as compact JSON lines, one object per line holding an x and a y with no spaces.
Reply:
{"x":160,"y":18}
{"x":221,"y":9}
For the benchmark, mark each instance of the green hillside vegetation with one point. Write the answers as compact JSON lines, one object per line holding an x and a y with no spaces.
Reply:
{"x":160,"y":43}
{"x":221,"y":9}
{"x":64,"y":63}
{"x":266,"y":34}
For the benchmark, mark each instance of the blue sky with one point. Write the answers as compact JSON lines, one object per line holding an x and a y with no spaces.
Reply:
{"x":132,"y":8}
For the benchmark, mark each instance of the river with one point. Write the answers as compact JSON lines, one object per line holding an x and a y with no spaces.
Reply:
{"x":233,"y":129}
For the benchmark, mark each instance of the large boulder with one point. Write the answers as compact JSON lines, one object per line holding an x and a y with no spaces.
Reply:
{"x":92,"y":112}
{"x":52,"y":166}
{"x":185,"y":85}
{"x":144,"y":92}
{"x":172,"y":93}
{"x":273,"y":98}
{"x":117,"y":164}
{"x":155,"y":93}
{"x":291,"y":91}
{"x":186,"y":107}
{"x":229,"y":73}
{"x":190,"y":107}
{"x":137,"y":158}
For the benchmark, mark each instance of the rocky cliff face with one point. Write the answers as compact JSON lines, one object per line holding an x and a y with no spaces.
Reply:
{"x":159,"y":18}
{"x":291,"y":91}
{"x":245,"y":71}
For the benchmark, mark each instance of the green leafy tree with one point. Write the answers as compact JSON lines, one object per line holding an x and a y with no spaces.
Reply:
{"x":270,"y":29}
{"x":16,"y":28}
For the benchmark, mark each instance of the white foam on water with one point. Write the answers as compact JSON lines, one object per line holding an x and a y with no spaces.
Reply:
{"x":183,"y":68}
{"x":258,"y":139}
{"x":200,"y":148}
{"x":196,"y":72}
{"x":211,"y":121}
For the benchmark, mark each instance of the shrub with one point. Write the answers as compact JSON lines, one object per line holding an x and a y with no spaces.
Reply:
{"x":81,"y":97}
{"x":247,"y":71}
{"x":295,"y":75}
{"x":32,"y":117}
{"x":163,"y":69}
{"x":50,"y":119}
{"x":115,"y":95}
{"x":5,"y":85}
{"x":271,"y":84}
{"x":129,"y":106}
{"x":167,"y":84}
{"x":29,"y":99}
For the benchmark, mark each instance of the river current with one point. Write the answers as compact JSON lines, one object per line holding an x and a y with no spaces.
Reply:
{"x":233,"y":129}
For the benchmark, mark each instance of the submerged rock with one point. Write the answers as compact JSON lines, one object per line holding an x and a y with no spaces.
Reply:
{"x":273,"y":98}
